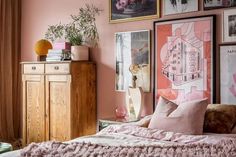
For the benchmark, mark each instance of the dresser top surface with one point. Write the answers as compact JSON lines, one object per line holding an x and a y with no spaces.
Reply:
{"x":53,"y":62}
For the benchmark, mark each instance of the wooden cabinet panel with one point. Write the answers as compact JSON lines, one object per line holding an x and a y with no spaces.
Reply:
{"x":84,"y":95}
{"x":58,"y":103}
{"x":34,"y":110}
{"x":57,"y":68}
{"x":33,"y":69}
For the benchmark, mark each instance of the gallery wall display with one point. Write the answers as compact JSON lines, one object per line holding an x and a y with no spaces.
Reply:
{"x":177,"y":6}
{"x":228,"y":74}
{"x":184,"y":59}
{"x":131,"y":10}
{"x":132,"y":51}
{"x":216,"y":4}
{"x":229,"y":25}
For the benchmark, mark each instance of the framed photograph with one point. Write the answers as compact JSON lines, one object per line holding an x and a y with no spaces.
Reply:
{"x":229,"y":26}
{"x":184,"y":59}
{"x":177,"y":6}
{"x":131,"y":10}
{"x":216,"y":4}
{"x":228,"y":74}
{"x":133,"y":55}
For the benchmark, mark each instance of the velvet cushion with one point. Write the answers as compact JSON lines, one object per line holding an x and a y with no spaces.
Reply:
{"x":144,"y":122}
{"x":220,"y":118}
{"x":234,"y":130}
{"x":187,"y":118}
{"x":163,"y":108}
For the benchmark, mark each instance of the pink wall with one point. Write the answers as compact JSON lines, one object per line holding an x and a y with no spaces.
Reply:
{"x":38,"y":14}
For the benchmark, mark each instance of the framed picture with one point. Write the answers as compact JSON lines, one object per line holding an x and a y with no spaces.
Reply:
{"x":229,"y":26}
{"x":133,"y":55}
{"x":130,"y":10}
{"x":216,"y":4}
{"x":228,"y":74}
{"x":184,"y":59}
{"x":176,"y":6}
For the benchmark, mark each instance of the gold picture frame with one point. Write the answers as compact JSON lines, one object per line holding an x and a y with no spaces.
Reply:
{"x":141,"y":12}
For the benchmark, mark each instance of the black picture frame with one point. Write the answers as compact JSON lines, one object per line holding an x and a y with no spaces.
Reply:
{"x":216,"y":4}
{"x":126,"y":11}
{"x":170,"y":7}
{"x":229,"y":26}
{"x":227,"y":73}
{"x":212,"y":19}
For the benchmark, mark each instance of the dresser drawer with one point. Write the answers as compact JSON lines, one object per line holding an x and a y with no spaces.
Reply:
{"x":33,"y":68}
{"x":57,"y":68}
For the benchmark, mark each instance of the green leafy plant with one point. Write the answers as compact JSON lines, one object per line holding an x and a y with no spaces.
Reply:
{"x":55,"y":32}
{"x":73,"y":34}
{"x":82,"y":28}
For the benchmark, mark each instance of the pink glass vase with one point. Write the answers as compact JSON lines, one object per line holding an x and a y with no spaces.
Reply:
{"x":121,"y":112}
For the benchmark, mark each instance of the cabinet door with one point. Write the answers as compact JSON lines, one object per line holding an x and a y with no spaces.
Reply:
{"x":33,"y":109}
{"x":58,"y":107}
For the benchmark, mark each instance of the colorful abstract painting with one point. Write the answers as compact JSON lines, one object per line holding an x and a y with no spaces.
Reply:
{"x":184,"y":59}
{"x":228,"y":74}
{"x":131,"y":10}
{"x":133,"y":56}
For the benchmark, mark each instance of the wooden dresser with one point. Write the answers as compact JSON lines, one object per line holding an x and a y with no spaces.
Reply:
{"x":59,"y":100}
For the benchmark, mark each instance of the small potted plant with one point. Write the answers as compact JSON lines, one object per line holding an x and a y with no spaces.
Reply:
{"x":74,"y":36}
{"x":81,"y":32}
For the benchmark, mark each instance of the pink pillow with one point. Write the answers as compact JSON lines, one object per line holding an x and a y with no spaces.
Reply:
{"x":163,"y":108}
{"x":188,"y":118}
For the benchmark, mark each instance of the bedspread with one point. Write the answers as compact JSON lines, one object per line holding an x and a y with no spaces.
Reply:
{"x":132,"y":141}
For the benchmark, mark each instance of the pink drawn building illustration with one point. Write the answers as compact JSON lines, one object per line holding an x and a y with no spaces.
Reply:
{"x":183,"y":61}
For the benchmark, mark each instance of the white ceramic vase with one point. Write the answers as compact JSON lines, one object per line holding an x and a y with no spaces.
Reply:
{"x":79,"y":53}
{"x":134,"y":102}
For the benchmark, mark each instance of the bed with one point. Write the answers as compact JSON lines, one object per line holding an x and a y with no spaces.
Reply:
{"x":139,"y":139}
{"x":131,"y":140}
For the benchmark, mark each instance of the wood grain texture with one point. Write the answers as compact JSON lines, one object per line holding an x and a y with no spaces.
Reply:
{"x":84,"y":111}
{"x":33,"y":109}
{"x":69,"y":107}
{"x":58,"y":99}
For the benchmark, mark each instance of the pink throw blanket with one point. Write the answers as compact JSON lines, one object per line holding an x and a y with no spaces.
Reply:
{"x":176,"y":144}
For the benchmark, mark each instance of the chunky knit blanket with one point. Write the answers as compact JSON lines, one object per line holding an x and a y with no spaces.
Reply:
{"x":156,"y":143}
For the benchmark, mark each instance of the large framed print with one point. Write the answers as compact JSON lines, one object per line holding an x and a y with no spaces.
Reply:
{"x":131,"y":10}
{"x":132,"y":55}
{"x":184,"y":59}
{"x":176,"y":6}
{"x":216,"y":4}
{"x":229,"y":26}
{"x":228,"y":74}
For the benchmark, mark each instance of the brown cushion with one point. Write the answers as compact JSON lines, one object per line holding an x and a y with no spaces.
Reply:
{"x":220,"y":118}
{"x":234,"y":130}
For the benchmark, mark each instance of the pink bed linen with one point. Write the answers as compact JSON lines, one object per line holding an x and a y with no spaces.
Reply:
{"x":160,"y":143}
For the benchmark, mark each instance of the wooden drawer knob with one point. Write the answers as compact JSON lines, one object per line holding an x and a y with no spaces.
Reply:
{"x":33,"y":68}
{"x":56,"y":67}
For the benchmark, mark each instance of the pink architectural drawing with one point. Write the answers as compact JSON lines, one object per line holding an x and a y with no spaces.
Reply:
{"x":184,"y":51}
{"x":183,"y":61}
